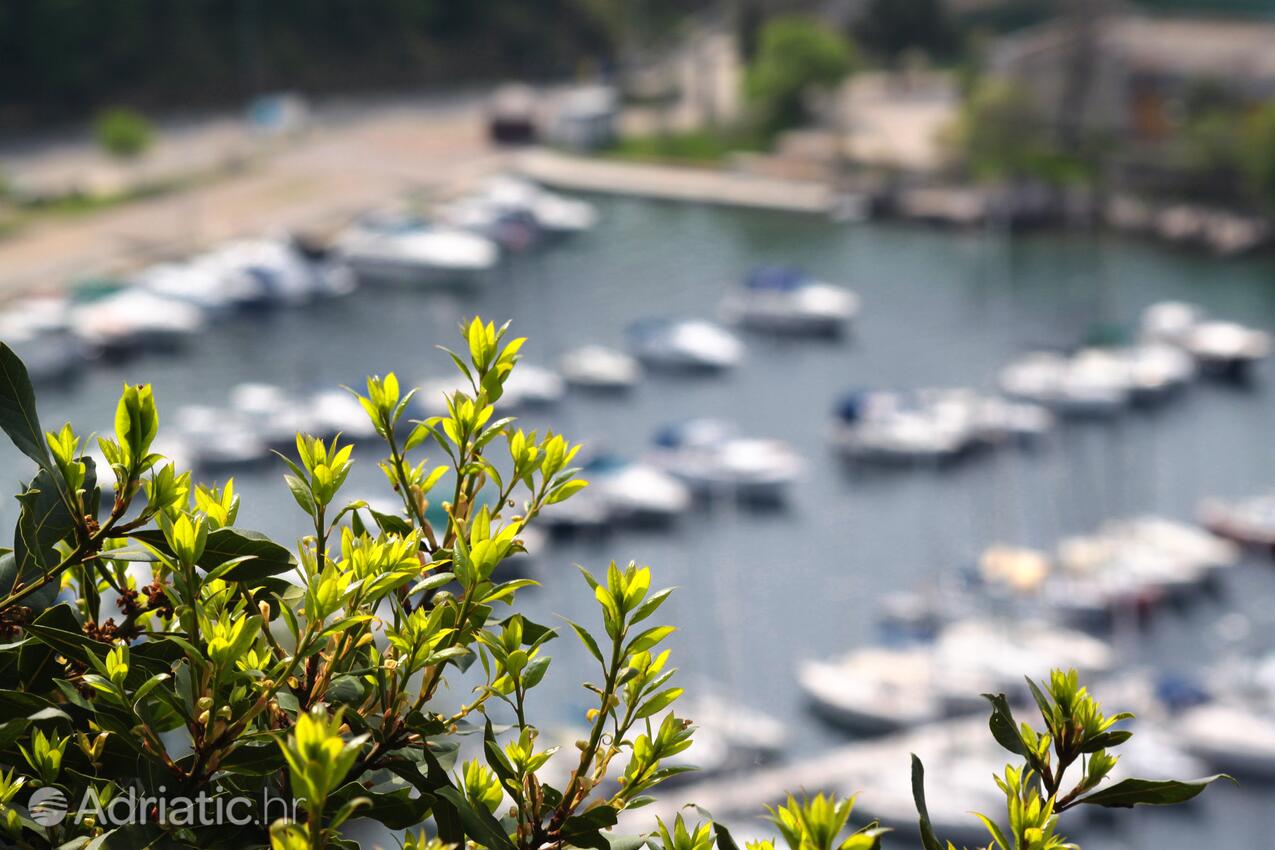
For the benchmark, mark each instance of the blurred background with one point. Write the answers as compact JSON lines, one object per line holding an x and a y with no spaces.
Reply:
{"x":922,"y":343}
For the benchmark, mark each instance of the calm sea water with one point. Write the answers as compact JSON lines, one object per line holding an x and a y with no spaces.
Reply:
{"x":760,"y":591}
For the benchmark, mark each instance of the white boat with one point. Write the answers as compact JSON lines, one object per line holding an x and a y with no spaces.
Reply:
{"x":1233,"y":726}
{"x":1221,"y":348}
{"x":599,"y":368}
{"x":552,"y":213}
{"x":199,"y":284}
{"x":1249,"y":522}
{"x":1227,"y":348}
{"x":1130,"y":566}
{"x":134,"y":319}
{"x":532,"y":386}
{"x":1170,"y":322}
{"x":709,"y":455}
{"x":216,"y":439}
{"x":890,"y":427}
{"x":264,"y":271}
{"x":636,"y":492}
{"x":512,"y":230}
{"x":690,"y":344}
{"x":414,"y":252}
{"x":274,"y":414}
{"x":1231,"y":737}
{"x":1093,"y":382}
{"x":880,"y":689}
{"x":783,"y":299}
{"x":1157,"y":370}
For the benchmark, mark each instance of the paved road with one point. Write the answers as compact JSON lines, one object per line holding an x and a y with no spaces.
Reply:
{"x":344,"y":165}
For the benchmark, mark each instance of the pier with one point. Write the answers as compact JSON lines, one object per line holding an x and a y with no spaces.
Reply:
{"x":675,"y":183}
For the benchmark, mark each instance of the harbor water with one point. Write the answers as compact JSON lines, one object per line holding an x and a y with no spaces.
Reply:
{"x":761,"y":590}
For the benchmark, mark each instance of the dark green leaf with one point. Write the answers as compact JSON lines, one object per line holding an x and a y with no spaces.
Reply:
{"x":479,"y":825}
{"x":929,"y":841}
{"x":1128,"y":793}
{"x":44,"y":521}
{"x":18,"y":416}
{"x":1002,"y":724}
{"x":397,"y":809}
{"x":1106,"y":740}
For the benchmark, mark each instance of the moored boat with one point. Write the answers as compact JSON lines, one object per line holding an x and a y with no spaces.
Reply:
{"x":784,"y":299}
{"x":685,"y":344}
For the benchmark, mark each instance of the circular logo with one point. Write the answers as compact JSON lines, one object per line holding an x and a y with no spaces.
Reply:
{"x":47,"y":806}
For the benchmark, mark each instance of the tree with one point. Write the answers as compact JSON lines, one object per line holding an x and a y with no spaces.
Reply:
{"x":1256,"y":154}
{"x":251,"y":695}
{"x":123,"y":133}
{"x":795,"y":55}
{"x":999,"y":135}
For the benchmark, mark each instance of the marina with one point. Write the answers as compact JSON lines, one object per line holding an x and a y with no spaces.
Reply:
{"x":818,"y":563}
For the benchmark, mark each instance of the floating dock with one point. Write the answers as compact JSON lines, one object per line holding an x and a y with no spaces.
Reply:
{"x":671,"y":183}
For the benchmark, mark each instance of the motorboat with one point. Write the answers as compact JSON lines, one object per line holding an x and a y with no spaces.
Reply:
{"x":882,"y":426}
{"x":1232,"y":727}
{"x":1169,"y":322}
{"x":274,"y":414}
{"x":880,"y":689}
{"x":710,"y":455}
{"x":215,"y":439}
{"x":1131,"y":566}
{"x":132,"y":319}
{"x":1227,"y":349}
{"x":264,"y":271}
{"x":532,"y":386}
{"x":1248,"y":522}
{"x":597,"y":367}
{"x":988,"y":420}
{"x":1157,"y":370}
{"x":1092,"y":382}
{"x":1221,"y":348}
{"x":636,"y":492}
{"x":198,"y":283}
{"x":784,"y":299}
{"x":686,"y":344}
{"x":1232,"y":737}
{"x":415,"y":252}
{"x":553,"y":214}
{"x":511,"y":229}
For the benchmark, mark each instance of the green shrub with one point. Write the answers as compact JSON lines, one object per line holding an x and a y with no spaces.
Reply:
{"x":123,"y":133}
{"x":795,"y":56}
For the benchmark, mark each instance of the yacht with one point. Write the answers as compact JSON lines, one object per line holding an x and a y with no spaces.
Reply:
{"x":688,"y":344}
{"x":596,"y":367}
{"x":784,"y":299}
{"x":710,"y":455}
{"x":414,"y":252}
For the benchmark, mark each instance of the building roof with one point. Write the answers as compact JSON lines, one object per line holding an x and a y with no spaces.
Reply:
{"x":1196,"y":47}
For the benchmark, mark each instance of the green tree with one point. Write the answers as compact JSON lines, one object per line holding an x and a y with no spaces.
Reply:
{"x":123,"y":133}
{"x":795,"y":56}
{"x":998,"y":136}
